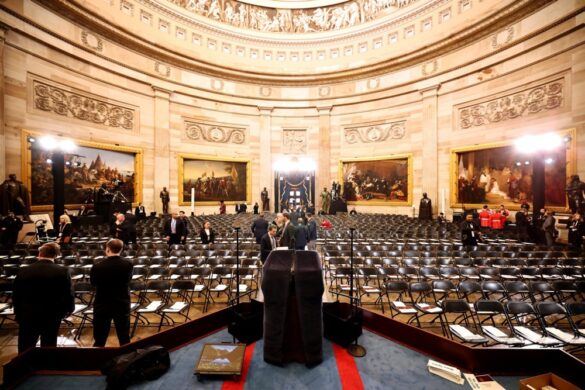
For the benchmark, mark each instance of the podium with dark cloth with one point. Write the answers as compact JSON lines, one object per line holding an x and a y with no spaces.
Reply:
{"x":293,"y":288}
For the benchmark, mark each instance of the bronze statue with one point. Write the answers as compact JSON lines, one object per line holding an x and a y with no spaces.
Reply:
{"x":15,"y":197}
{"x":575,"y":191}
{"x":325,"y":200}
{"x":165,"y":198}
{"x":265,"y":200}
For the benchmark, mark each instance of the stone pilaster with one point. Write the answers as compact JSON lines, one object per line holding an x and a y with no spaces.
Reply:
{"x":265,"y":177}
{"x":430,"y":160}
{"x":324,"y":164}
{"x":2,"y":114}
{"x":162,"y":150}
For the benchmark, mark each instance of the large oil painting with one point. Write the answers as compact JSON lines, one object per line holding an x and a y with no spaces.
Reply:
{"x":381,"y":180}
{"x":502,"y":174}
{"x":214,"y":179}
{"x":88,"y":168}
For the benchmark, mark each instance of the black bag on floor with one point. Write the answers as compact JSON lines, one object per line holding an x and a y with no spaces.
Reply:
{"x":143,"y":364}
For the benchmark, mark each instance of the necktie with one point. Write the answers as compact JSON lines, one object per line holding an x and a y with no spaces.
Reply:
{"x":273,"y":242}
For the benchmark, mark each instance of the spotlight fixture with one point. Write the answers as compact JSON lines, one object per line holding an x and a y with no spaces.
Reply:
{"x":518,"y":163}
{"x":567,"y":139}
{"x":67,"y":163}
{"x":526,"y":162}
{"x":49,"y":161}
{"x":31,"y":139}
{"x":549,"y":160}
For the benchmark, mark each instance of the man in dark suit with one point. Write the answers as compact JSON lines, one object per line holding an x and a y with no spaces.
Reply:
{"x":120,"y":229}
{"x":288,"y":233}
{"x":469,"y":231}
{"x":140,"y":212}
{"x":110,"y":278}
{"x":522,"y":224}
{"x":183,"y":217}
{"x":312,"y":226}
{"x":301,"y":234}
{"x":131,"y":220}
{"x":42,"y":297}
{"x":174,"y":229}
{"x":259,"y":227}
{"x":268,"y":243}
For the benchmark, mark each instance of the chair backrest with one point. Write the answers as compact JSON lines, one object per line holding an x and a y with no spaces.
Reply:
{"x":489,"y":306}
{"x":550,"y":308}
{"x":519,"y":308}
{"x":455,"y":306}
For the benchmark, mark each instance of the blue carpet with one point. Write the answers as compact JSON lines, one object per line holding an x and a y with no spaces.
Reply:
{"x":387,"y":365}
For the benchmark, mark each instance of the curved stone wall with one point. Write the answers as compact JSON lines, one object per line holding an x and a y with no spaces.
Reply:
{"x":156,"y":97}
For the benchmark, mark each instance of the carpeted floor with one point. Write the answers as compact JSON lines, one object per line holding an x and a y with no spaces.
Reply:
{"x":387,"y":365}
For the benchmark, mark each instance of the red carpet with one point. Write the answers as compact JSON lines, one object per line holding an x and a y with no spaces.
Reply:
{"x":239,"y":385}
{"x":348,"y":371}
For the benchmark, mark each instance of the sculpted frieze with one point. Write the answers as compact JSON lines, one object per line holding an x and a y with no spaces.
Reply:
{"x":294,"y":141}
{"x":50,"y":98}
{"x":375,"y":133}
{"x":215,"y":133}
{"x":335,"y":17}
{"x":530,"y":101}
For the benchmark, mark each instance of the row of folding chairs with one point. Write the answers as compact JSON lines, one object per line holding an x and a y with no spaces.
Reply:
{"x":515,"y":323}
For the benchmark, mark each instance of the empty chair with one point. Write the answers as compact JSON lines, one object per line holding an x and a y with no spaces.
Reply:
{"x":182,"y":291}
{"x":430,"y":273}
{"x":464,"y":326}
{"x":493,"y":290}
{"x":421,"y":295}
{"x":542,"y":291}
{"x":499,"y":330}
{"x":521,"y":315}
{"x":468,"y":288}
{"x":161,"y":291}
{"x":517,"y":290}
{"x":570,"y":335}
{"x":565,"y":290}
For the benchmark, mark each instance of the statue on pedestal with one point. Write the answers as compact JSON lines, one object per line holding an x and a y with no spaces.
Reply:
{"x":165,"y":198}
{"x":425,"y":210}
{"x":265,"y":200}
{"x":325,"y":200}
{"x":575,"y":191}
{"x":15,"y":197}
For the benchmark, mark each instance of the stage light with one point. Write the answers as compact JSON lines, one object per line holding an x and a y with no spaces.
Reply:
{"x":31,"y":139}
{"x":535,"y":143}
{"x":526,"y":162}
{"x":67,"y":146}
{"x":67,"y":163}
{"x":549,"y":160}
{"x":48,"y":143}
{"x":49,"y":161}
{"x":518,"y":163}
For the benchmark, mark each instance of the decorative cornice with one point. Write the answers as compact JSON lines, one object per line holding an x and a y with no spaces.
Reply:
{"x":480,"y":30}
{"x":287,"y":20}
{"x":74,"y":104}
{"x":92,"y":41}
{"x":215,"y":133}
{"x":521,"y":103}
{"x":374,"y":133}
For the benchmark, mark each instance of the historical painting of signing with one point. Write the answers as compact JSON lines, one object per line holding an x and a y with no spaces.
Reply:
{"x":89,"y":167}
{"x":502,"y":174}
{"x":214,"y":179}
{"x":382,"y":180}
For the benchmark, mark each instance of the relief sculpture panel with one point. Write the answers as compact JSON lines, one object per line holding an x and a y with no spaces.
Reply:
{"x":526,"y":102}
{"x":215,"y":133}
{"x":374,"y":133}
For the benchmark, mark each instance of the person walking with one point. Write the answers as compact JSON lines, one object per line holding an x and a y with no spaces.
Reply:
{"x":111,"y":278}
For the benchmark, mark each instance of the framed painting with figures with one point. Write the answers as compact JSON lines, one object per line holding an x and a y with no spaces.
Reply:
{"x":90,"y":166}
{"x":501,"y":173}
{"x":377,"y":181}
{"x":214,"y":179}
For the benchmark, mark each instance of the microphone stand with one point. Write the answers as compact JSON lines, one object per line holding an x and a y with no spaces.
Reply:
{"x":354,"y":349}
{"x":237,"y":265}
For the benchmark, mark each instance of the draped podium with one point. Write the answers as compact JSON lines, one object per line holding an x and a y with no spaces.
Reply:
{"x":293,"y":288}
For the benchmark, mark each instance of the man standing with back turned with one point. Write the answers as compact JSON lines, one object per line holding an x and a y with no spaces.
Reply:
{"x":42,"y":297}
{"x":110,"y":278}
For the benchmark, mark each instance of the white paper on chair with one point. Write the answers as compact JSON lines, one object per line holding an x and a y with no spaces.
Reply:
{"x":534,"y":337}
{"x":430,"y":308}
{"x":500,"y":336}
{"x":403,"y":308}
{"x":464,"y":333}
{"x":445,"y":371}
{"x":178,"y":306}
{"x":566,"y":337}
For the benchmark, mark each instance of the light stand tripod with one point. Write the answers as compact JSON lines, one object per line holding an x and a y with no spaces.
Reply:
{"x":354,"y":349}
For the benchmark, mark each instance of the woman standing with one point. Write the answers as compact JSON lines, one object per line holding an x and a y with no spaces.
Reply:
{"x":64,"y":230}
{"x":207,"y":234}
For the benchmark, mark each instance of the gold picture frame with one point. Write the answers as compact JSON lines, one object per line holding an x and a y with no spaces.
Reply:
{"x":225,"y":190}
{"x":513,"y":167}
{"x":27,"y":162}
{"x":382,"y":193}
